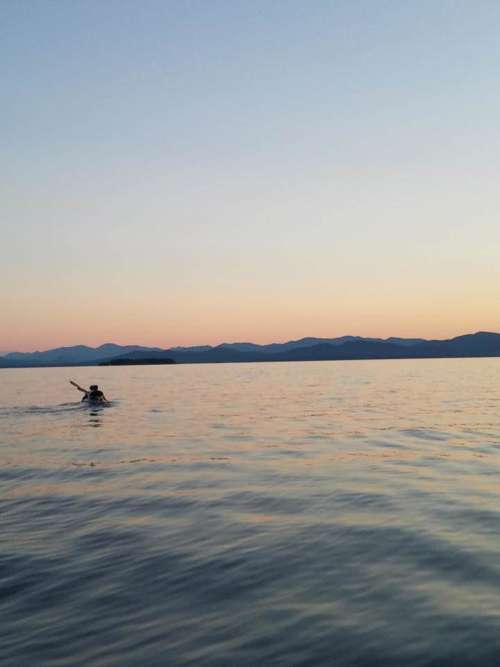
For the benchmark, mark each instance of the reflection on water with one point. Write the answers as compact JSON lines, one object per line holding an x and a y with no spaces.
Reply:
{"x":341,"y":513}
{"x":96,"y":413}
{"x":94,"y":419}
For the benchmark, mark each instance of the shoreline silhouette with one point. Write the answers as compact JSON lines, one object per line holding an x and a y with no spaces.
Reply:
{"x":480,"y":344}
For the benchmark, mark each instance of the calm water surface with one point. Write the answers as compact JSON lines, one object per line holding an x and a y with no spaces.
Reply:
{"x":334,"y":513}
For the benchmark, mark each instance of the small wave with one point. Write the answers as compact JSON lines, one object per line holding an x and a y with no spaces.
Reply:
{"x":18,"y":411}
{"x":21,"y":411}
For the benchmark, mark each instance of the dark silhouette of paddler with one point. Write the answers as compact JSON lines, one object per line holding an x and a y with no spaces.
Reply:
{"x":93,"y":394}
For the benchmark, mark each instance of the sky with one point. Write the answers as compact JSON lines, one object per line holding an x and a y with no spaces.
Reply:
{"x":191,"y":172}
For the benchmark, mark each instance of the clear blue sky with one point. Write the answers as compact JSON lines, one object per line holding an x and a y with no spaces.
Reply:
{"x":188,"y":172}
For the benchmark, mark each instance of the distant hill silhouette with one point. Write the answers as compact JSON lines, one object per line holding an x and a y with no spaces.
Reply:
{"x":481,"y":344}
{"x":76,"y":354}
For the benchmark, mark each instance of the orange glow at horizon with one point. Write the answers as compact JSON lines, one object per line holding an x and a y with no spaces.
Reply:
{"x":258,"y":320}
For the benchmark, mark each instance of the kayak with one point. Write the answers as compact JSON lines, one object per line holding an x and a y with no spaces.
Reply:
{"x":93,"y":401}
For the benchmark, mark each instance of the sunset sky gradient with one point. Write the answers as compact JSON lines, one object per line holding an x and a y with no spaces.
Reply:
{"x":178,"y":173}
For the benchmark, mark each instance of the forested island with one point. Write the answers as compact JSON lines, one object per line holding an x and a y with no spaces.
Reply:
{"x":136,"y":362}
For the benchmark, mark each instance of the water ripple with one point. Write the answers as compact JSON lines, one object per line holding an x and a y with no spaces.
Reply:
{"x":291,"y":514}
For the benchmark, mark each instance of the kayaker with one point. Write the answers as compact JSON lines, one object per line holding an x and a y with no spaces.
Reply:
{"x":92,"y":394}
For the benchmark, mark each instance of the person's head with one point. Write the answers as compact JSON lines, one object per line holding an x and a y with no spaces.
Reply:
{"x":94,"y":387}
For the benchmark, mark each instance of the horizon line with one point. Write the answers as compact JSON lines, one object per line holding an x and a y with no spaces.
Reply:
{"x":242,"y":342}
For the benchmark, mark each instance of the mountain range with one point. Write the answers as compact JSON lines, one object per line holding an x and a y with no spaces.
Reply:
{"x":481,"y":344}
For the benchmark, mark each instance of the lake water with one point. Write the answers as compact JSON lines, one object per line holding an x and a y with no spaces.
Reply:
{"x":333,"y":513}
